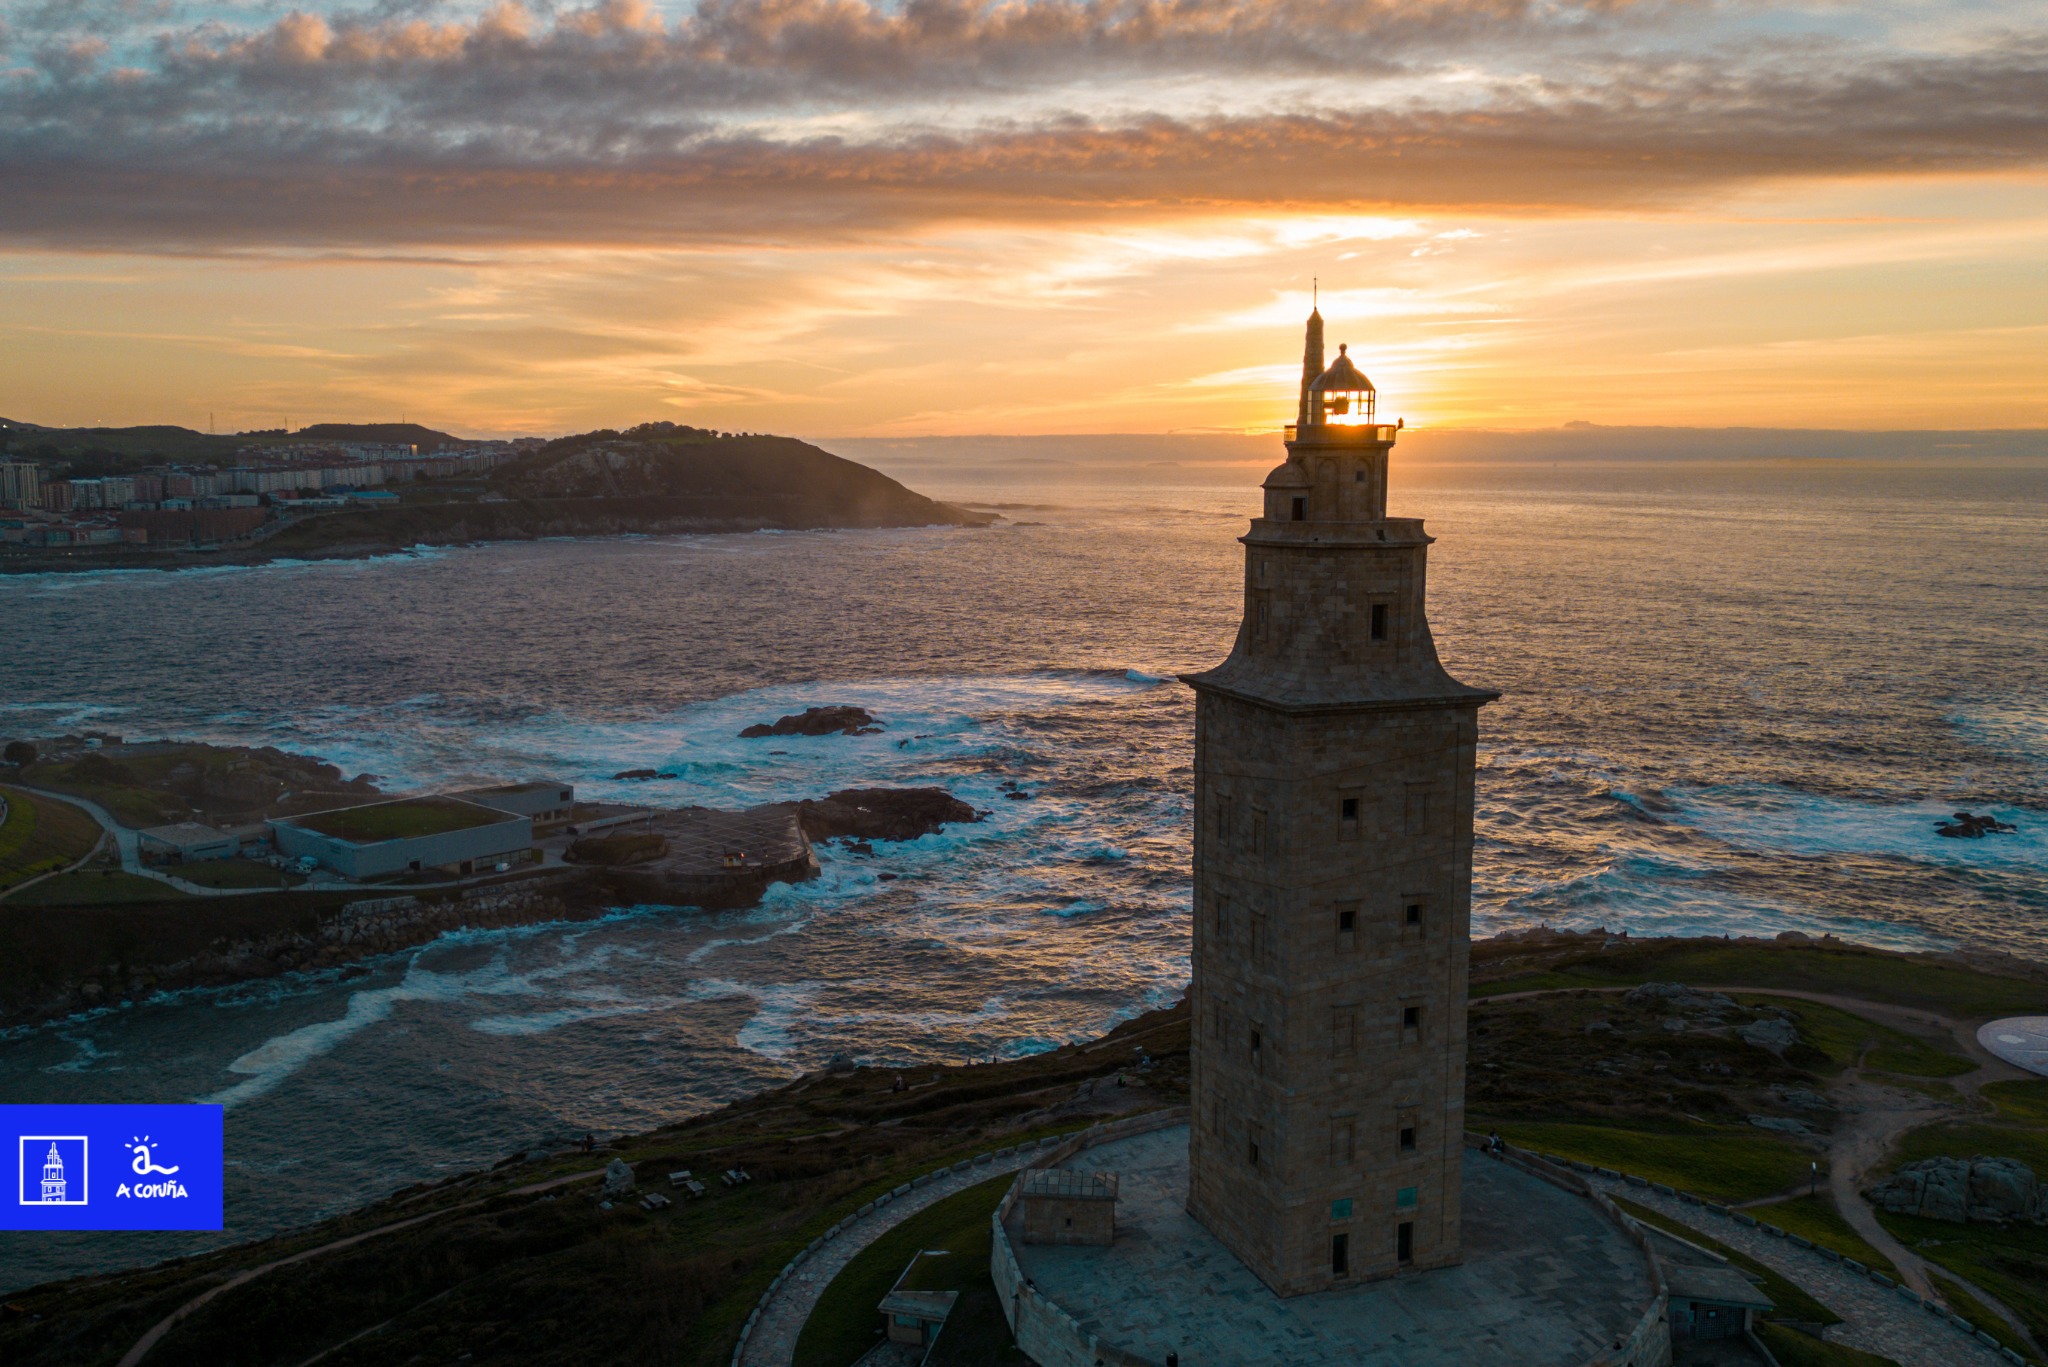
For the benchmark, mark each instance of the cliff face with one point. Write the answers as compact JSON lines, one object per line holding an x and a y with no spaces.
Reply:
{"x":735,"y":471}
{"x":649,"y":480}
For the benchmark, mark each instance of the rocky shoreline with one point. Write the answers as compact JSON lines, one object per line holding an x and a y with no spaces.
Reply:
{"x":100,"y":956}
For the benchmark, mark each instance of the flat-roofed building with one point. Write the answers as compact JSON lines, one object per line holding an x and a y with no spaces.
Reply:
{"x":187,"y":842}
{"x":547,"y":801}
{"x":407,"y":835}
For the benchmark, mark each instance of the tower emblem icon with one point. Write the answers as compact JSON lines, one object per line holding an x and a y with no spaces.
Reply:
{"x":52,"y":1169}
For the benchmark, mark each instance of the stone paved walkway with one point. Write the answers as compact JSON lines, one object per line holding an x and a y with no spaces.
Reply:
{"x":1546,"y":1280}
{"x":773,"y":1343}
{"x":1876,"y":1319}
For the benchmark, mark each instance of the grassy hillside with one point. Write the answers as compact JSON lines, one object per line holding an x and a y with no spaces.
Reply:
{"x":507,"y":1268}
{"x":38,"y":834}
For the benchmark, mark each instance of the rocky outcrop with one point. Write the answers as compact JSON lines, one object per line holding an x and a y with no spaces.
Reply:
{"x":817,"y":721}
{"x":882,"y":813}
{"x":1964,"y":826}
{"x":1973,"y":1190}
{"x":1772,"y":1034}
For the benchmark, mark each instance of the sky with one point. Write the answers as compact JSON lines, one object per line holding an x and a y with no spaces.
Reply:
{"x":914,"y":217}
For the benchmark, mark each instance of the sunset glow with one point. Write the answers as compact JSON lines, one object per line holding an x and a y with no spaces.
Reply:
{"x":1039,"y":216}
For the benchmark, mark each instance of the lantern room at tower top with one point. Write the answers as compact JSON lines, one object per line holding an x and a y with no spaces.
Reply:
{"x":1339,"y":406}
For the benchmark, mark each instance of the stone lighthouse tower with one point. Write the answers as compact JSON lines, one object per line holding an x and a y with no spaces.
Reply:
{"x":1333,"y":870}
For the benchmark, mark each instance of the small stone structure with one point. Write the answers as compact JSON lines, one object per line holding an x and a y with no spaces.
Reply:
{"x":1710,"y":1302}
{"x":913,"y":1314}
{"x":1057,"y":1206}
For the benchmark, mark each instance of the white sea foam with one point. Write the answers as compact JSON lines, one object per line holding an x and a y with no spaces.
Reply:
{"x":1786,"y":821}
{"x":930,"y":726}
{"x":275,"y":1060}
{"x":1647,"y":895}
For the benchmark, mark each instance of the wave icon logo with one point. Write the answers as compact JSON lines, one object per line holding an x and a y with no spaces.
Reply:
{"x":145,"y":1165}
{"x":52,"y":1169}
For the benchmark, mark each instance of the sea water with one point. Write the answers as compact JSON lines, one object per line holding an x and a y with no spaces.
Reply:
{"x":1736,"y":700}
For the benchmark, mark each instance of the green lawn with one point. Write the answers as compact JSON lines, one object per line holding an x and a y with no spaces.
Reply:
{"x":2024,"y":1142}
{"x":87,"y":887}
{"x":845,"y":1323}
{"x":400,"y":820}
{"x":1839,"y":971}
{"x":1726,"y":1164}
{"x":230,"y":873}
{"x":1815,"y":1218}
{"x":1979,"y":1314}
{"x":1845,"y":1037}
{"x":2019,"y":1100}
{"x":41,"y":834}
{"x":1794,"y":1349}
{"x":1788,"y":1300}
{"x":2010,"y":1262}
{"x":1529,"y":982}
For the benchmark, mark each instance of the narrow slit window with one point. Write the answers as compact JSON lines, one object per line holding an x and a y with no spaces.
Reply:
{"x":1404,"y":1241}
{"x":1350,"y":809}
{"x":1340,"y":1255}
{"x":1379,"y":621}
{"x":1414,"y":913}
{"x":1301,"y":510}
{"x":1257,"y":1041}
{"x":1407,"y":1139}
{"x":1251,"y":1154}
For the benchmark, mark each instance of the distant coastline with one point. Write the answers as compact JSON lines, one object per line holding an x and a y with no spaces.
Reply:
{"x":325,"y":500}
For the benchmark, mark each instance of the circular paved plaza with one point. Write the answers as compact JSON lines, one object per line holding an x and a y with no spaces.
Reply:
{"x":2020,"y":1040}
{"x":1547,"y":1281}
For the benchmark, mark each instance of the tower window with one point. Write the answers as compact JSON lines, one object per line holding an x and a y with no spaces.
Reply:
{"x":1358,"y":476}
{"x":1411,"y":1018}
{"x":1347,"y":920}
{"x":1257,"y":1040}
{"x":1340,"y":1254}
{"x":1415,"y":913}
{"x":1301,"y":510}
{"x":1379,"y":621}
{"x":1350,"y":809}
{"x":1404,"y":1241}
{"x":1251,"y":1153}
{"x":1407,"y":1139}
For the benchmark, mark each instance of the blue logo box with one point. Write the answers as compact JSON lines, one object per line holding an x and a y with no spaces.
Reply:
{"x":113,"y":1167}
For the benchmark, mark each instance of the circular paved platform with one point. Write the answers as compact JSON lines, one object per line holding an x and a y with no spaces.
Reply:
{"x":1547,"y":1281}
{"x":2021,"y":1041}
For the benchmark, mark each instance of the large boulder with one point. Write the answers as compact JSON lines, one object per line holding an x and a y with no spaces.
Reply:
{"x":1986,"y":1190}
{"x":618,"y":1178}
{"x":1771,"y":1033}
{"x":817,"y":721}
{"x":882,"y":813}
